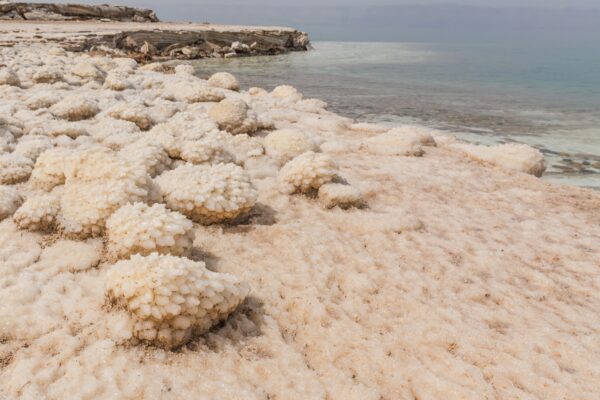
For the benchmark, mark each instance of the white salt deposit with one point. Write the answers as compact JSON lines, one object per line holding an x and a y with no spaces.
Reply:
{"x":459,"y":280}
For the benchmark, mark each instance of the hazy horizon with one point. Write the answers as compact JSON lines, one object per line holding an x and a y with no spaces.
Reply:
{"x":382,"y":20}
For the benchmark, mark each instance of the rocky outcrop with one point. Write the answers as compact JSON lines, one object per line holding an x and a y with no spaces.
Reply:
{"x":70,"y":12}
{"x":169,"y":44}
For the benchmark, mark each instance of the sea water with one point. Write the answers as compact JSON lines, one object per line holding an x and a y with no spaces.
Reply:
{"x":540,"y":91}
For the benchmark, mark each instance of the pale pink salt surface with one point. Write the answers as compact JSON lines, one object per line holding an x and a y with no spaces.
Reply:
{"x":459,"y":282}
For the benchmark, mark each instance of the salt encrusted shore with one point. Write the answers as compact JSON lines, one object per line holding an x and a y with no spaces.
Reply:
{"x":169,"y":237}
{"x":156,"y":41}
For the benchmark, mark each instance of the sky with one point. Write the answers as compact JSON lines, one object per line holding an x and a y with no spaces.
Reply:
{"x":385,"y":20}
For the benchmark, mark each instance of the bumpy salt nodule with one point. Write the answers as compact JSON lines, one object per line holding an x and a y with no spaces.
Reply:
{"x":141,"y":229}
{"x":419,"y":269}
{"x":169,"y":298}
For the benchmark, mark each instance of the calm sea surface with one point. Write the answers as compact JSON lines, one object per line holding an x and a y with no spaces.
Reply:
{"x":541,"y":91}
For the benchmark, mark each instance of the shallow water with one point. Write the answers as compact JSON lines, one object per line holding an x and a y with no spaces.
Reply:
{"x":541,"y":92}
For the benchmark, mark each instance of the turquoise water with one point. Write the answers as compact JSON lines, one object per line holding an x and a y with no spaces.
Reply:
{"x":540,"y":91}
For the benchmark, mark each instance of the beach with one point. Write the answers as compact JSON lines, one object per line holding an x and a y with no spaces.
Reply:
{"x":169,"y":235}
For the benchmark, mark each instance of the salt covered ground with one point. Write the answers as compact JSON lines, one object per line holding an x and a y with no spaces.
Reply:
{"x":167,"y":237}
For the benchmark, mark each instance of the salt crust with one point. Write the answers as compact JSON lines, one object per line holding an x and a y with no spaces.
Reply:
{"x":170,"y":298}
{"x":141,"y":229}
{"x":208,"y":193}
{"x":50,"y":167}
{"x":418,"y":271}
{"x":10,"y":200}
{"x":405,"y":141}
{"x":306,"y":172}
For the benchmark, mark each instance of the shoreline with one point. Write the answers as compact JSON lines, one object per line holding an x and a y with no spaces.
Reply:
{"x":339,"y":260}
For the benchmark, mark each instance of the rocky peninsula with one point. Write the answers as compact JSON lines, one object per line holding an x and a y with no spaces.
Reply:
{"x":138,"y":33}
{"x":164,"y":236}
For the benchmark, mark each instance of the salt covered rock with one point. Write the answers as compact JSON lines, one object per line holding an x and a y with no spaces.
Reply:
{"x":208,"y":193}
{"x":339,"y":195}
{"x":194,"y":92}
{"x":75,"y":108}
{"x":234,"y":116}
{"x":14,"y":168}
{"x":141,"y":229}
{"x":185,"y":69}
{"x":288,"y":93}
{"x":10,"y":200}
{"x":309,"y":171}
{"x":513,"y":156}
{"x":224,"y":80}
{"x":283,"y":145}
{"x":38,"y":213}
{"x":169,"y":299}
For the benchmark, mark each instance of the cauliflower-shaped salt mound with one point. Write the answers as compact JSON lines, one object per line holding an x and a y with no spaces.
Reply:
{"x":75,"y":108}
{"x":288,"y":93}
{"x":72,"y":256}
{"x":156,"y":67}
{"x":31,"y":146}
{"x":307,"y":172}
{"x":14,"y":168}
{"x":50,"y":167}
{"x":283,"y":145}
{"x":10,"y":200}
{"x":47,"y":75}
{"x":170,"y":298}
{"x":141,"y":229}
{"x":224,"y":80}
{"x":513,"y":156}
{"x":136,"y":113}
{"x":404,"y":141}
{"x":339,"y":195}
{"x":208,"y":193}
{"x":42,"y":100}
{"x":148,"y":154}
{"x":98,"y":182}
{"x":38,"y":213}
{"x":234,"y":116}
{"x":183,"y":128}
{"x":117,"y":82}
{"x":87,"y":70}
{"x":9,"y":77}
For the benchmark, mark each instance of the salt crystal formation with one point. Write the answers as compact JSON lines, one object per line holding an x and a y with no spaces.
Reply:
{"x":224,"y":80}
{"x":95,"y":174}
{"x":10,"y":200}
{"x":234,"y":116}
{"x":422,"y":284}
{"x":208,"y":193}
{"x":285,"y":144}
{"x":169,"y":297}
{"x":141,"y":229}
{"x":339,"y":195}
{"x":38,"y":213}
{"x":306,"y":172}
{"x":14,"y":168}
